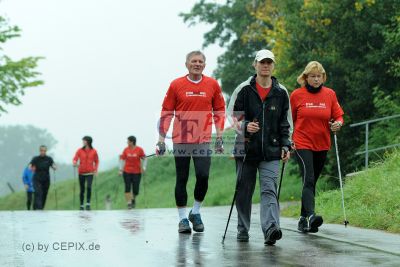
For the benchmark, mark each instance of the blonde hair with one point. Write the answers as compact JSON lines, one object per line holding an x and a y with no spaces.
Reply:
{"x":311,"y":66}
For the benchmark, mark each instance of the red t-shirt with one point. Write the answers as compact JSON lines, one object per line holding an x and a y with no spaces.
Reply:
{"x":262,"y":91}
{"x":132,"y":159}
{"x":311,"y":116}
{"x":194,"y":107}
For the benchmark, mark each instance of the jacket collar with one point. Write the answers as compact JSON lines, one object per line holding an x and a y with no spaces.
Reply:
{"x":275,"y":88}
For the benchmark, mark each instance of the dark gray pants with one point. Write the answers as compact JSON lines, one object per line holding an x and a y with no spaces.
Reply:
{"x":88,"y":179}
{"x":269,"y":205}
{"x":41,"y":186}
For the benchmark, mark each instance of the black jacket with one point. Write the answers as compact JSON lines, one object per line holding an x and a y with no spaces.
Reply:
{"x":272,"y":115}
{"x":42,"y":166}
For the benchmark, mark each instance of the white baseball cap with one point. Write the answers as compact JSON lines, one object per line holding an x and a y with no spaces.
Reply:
{"x":263,"y":54}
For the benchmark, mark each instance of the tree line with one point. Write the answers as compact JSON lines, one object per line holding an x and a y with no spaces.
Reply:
{"x":357,"y":41}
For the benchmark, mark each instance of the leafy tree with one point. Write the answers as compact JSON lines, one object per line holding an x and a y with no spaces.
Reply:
{"x":230,"y":23}
{"x":15,"y":76}
{"x":356,"y":41}
{"x":388,"y":132}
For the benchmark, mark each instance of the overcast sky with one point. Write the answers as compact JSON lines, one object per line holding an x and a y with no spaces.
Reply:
{"x":107,"y":66}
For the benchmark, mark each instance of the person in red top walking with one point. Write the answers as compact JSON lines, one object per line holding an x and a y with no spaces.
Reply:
{"x":88,"y":161}
{"x":133,"y":164}
{"x":315,"y":111}
{"x":195,"y":102}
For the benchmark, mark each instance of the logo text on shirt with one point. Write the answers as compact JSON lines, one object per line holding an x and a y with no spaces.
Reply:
{"x":201,"y":94}
{"x":315,"y":105}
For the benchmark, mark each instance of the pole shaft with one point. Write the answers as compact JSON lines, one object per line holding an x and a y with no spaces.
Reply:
{"x":95,"y":185}
{"x":55,"y":188}
{"x":230,"y":214}
{"x":239,"y":178}
{"x":73,"y":197}
{"x":340,"y":176}
{"x":366,"y":145}
{"x":144,"y":190}
{"x":280,"y":182}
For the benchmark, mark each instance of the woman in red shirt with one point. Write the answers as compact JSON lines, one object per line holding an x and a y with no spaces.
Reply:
{"x":131,"y":169}
{"x":88,"y":161}
{"x":315,"y":111}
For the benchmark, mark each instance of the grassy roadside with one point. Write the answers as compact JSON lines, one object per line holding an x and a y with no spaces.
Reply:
{"x":372,"y":198}
{"x":157,"y":188}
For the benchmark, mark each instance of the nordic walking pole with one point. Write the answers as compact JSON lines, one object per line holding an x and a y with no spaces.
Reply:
{"x":144,"y":182}
{"x":234,"y":197}
{"x":95,"y":188}
{"x":280,"y":181}
{"x":116,"y":192}
{"x":73,"y":197}
{"x":55,"y":187}
{"x":144,"y":190}
{"x":346,"y":222}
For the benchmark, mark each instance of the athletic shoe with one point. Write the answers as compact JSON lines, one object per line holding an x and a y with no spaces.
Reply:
{"x":129,"y":206}
{"x":242,"y":236}
{"x":196,"y":221}
{"x":314,"y":221}
{"x":87,"y":207}
{"x":82,"y":208}
{"x":133,"y":205}
{"x":184,"y":227}
{"x":302,"y":226}
{"x":273,"y":234}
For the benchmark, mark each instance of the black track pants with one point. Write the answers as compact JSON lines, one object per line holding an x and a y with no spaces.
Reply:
{"x":88,"y":179}
{"x":29,"y":200}
{"x":132,"y":182}
{"x":41,"y":186}
{"x":202,"y":165}
{"x":311,"y":164}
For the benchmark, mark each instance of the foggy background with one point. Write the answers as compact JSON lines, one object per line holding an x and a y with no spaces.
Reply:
{"x":107,"y":66}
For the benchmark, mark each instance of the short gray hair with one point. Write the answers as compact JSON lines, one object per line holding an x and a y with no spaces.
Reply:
{"x":195,"y":53}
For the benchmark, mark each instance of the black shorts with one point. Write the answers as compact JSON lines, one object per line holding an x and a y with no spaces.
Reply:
{"x":132,"y":182}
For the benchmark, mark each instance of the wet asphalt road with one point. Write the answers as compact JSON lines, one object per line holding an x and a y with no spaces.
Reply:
{"x":150,"y":238}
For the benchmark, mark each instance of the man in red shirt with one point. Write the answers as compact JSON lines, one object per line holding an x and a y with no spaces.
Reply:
{"x":195,"y":102}
{"x":132,"y":169}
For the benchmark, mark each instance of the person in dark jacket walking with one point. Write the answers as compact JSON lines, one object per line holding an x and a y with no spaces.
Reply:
{"x":88,"y":161}
{"x":41,"y":179}
{"x":27,"y":179}
{"x":260,"y":108}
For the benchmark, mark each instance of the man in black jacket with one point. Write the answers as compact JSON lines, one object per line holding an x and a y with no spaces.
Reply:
{"x":260,"y":109}
{"x":41,"y":178}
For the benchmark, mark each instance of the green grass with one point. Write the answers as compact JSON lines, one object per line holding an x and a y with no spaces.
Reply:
{"x":157,"y":187}
{"x":372,"y":198}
